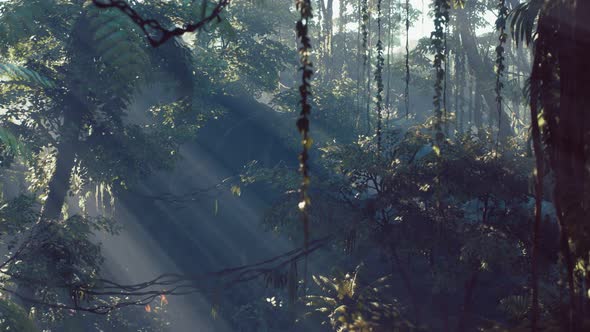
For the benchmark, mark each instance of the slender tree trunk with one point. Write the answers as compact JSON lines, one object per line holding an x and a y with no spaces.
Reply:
{"x":369,"y":54}
{"x":330,"y":26}
{"x":360,"y":72}
{"x":467,"y":302}
{"x":388,"y":62}
{"x":327,"y":13}
{"x":342,"y":19}
{"x":321,"y":49}
{"x":571,"y":146}
{"x":66,"y":155}
{"x":477,"y":109}
{"x":457,"y":85}
{"x":406,"y":279}
{"x":536,"y":77}
{"x":472,"y":93}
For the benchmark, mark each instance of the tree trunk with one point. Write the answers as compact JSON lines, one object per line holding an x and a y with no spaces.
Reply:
{"x":571,"y":146}
{"x":406,"y":279}
{"x":360,"y":72}
{"x":467,"y":299}
{"x":478,"y":109}
{"x":66,"y":154}
{"x":59,"y":183}
{"x":369,"y":54}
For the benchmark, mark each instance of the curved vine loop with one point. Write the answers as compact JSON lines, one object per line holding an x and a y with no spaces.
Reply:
{"x":154,"y":31}
{"x":302,"y":30}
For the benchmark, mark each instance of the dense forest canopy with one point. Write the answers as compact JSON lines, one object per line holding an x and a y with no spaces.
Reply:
{"x":307,"y":165}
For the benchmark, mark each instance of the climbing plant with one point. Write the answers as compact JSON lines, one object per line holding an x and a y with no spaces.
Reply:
{"x":501,"y":27}
{"x":379,"y":78}
{"x":302,"y":30}
{"x":441,"y":19}
{"x":407,"y":60}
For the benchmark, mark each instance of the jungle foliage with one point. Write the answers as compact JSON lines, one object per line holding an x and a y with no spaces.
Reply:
{"x":434,"y":184}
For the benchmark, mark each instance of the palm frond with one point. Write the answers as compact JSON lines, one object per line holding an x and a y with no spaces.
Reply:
{"x":523,"y":19}
{"x":25,"y":76}
{"x":516,"y":306}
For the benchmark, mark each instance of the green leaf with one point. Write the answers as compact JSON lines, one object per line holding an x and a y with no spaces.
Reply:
{"x":13,"y":145}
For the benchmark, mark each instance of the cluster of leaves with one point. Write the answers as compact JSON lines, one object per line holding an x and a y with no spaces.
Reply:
{"x":352,"y":305}
{"x":57,"y":56}
{"x":14,"y":318}
{"x":387,"y":205}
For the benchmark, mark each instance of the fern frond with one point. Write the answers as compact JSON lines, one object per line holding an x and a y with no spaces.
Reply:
{"x":25,"y":76}
{"x":11,"y":144}
{"x":119,"y":47}
{"x":516,"y":306}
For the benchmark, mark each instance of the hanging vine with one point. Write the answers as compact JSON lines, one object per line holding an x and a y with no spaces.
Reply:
{"x":445,"y":69}
{"x":388,"y":59}
{"x":365,"y":28}
{"x":302,"y":29}
{"x":501,"y":27}
{"x":407,"y":89}
{"x":441,"y":19}
{"x":379,"y":78}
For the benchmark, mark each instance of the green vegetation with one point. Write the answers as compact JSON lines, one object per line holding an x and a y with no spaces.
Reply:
{"x":159,"y":158}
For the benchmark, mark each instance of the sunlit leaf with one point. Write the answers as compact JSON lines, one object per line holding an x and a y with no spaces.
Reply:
{"x":436,"y":150}
{"x":236,"y":190}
